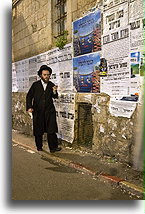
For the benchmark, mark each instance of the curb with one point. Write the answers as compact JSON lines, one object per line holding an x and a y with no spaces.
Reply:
{"x":131,"y":188}
{"x":110,"y":178}
{"x":136,"y":190}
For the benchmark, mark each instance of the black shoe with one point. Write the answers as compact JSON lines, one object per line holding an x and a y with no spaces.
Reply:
{"x":58,"y":149}
{"x":52,"y":150}
{"x":40,"y":149}
{"x":55,"y":150}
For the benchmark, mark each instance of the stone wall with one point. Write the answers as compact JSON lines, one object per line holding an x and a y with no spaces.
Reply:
{"x":95,"y":128}
{"x":112,"y":136}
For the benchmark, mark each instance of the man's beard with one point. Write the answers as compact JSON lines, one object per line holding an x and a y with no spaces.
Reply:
{"x":46,"y":81}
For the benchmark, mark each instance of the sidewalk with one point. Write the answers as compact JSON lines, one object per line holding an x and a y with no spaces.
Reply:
{"x":105,"y":168}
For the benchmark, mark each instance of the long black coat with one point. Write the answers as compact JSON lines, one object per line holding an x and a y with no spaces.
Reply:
{"x":44,"y":114}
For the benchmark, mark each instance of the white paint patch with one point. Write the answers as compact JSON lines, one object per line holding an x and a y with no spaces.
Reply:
{"x":102,"y":129}
{"x":21,"y":147}
{"x":97,"y":108}
{"x":124,"y":136}
{"x":113,"y":135}
{"x":30,"y":151}
{"x":15,"y":144}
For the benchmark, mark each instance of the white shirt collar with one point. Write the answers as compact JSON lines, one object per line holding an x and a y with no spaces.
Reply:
{"x":44,"y":84}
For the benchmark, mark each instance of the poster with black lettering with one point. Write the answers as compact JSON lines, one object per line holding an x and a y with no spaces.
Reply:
{"x":52,"y":62}
{"x":65,"y":69}
{"x":107,"y":4}
{"x":120,"y":108}
{"x":136,"y":21}
{"x":115,"y":49}
{"x":41,"y":59}
{"x":61,"y":63}
{"x":32,"y":70}
{"x":65,"y":111}
{"x":20,"y":76}
{"x":14,"y":78}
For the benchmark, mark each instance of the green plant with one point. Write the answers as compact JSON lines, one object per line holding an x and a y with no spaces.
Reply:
{"x":61,"y":41}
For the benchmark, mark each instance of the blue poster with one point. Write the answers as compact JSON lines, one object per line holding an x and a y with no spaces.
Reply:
{"x":87,"y":34}
{"x":87,"y":73}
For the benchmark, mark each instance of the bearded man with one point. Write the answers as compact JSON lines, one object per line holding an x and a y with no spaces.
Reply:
{"x":39,"y":102}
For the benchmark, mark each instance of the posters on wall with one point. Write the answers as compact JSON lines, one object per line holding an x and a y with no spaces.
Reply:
{"x":24,"y":73}
{"x":122,"y":47}
{"x":87,"y":34}
{"x":86,"y":52}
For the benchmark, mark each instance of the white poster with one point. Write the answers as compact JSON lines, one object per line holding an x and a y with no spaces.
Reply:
{"x":14,"y":78}
{"x":32,"y":70}
{"x":65,"y":108}
{"x":121,"y":108}
{"x":61,"y":63}
{"x":107,"y":4}
{"x":65,"y":69}
{"x":52,"y":62}
{"x":32,"y":65}
{"x":115,"y":49}
{"x":136,"y":15}
{"x":41,"y":60}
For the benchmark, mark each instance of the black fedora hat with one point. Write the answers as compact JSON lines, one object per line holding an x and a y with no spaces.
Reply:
{"x":42,"y":68}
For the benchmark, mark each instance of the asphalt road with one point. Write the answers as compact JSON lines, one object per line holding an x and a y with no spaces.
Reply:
{"x":36,"y":178}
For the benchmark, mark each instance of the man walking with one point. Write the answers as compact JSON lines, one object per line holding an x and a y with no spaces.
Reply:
{"x":39,"y":102}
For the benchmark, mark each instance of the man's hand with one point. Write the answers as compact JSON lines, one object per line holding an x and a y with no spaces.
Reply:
{"x":55,"y":89}
{"x":30,"y":110}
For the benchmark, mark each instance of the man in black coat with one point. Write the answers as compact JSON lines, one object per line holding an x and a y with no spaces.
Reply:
{"x":39,"y":102}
